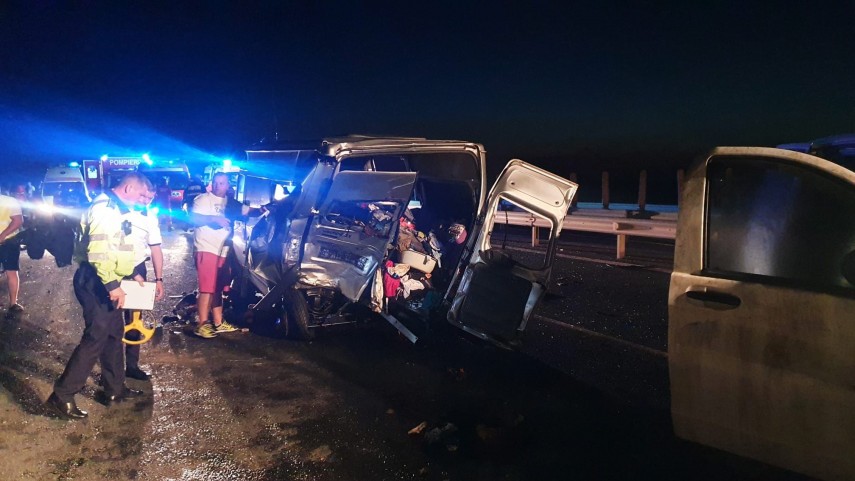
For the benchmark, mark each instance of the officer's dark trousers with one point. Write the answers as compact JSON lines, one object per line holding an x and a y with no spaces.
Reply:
{"x":101,"y":342}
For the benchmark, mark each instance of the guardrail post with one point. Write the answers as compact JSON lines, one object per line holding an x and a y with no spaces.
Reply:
{"x":642,"y":190}
{"x":621,"y":246}
{"x":572,"y":178}
{"x":605,"y":190}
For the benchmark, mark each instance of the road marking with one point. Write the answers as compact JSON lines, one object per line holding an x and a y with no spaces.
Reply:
{"x":632,"y":345}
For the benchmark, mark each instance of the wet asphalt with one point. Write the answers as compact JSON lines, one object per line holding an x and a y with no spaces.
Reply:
{"x":585,"y":396}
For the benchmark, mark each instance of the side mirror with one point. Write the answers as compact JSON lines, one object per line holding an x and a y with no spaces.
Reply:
{"x":848,"y":268}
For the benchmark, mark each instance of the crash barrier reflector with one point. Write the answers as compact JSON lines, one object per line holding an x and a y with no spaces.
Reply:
{"x":137,"y":324}
{"x":603,"y":222}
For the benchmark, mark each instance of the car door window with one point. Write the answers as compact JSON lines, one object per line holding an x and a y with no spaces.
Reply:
{"x":510,"y":236}
{"x":783,"y":223}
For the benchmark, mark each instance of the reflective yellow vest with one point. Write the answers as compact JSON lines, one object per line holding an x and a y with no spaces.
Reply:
{"x":105,"y":240}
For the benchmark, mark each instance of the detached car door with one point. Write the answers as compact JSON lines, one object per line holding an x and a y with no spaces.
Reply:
{"x":761,"y":333}
{"x":349,"y":235}
{"x":500,"y":288}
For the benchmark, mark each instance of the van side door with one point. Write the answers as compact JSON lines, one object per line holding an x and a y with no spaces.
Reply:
{"x":498,"y":292}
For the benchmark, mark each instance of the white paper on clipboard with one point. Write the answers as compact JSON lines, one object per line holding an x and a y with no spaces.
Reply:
{"x":138,"y":297}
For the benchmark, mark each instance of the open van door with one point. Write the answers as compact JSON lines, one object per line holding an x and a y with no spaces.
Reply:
{"x":498,"y":293}
{"x":353,"y":227}
{"x":761,"y":310}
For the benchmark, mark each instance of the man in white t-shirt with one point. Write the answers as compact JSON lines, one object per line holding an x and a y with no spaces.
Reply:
{"x":147,"y":240}
{"x":11,"y":220}
{"x":210,"y":242}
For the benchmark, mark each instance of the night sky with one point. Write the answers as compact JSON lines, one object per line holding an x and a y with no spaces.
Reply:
{"x":599,"y":84}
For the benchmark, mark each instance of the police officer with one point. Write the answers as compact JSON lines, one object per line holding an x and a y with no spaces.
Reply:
{"x":105,"y":256}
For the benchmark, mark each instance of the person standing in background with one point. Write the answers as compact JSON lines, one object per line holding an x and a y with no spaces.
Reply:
{"x":147,"y":240}
{"x":164,"y":201}
{"x":210,"y":237}
{"x":11,"y":221}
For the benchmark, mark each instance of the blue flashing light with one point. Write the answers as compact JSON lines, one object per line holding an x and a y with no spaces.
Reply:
{"x":227,"y":163}
{"x":73,"y":164}
{"x":147,"y":159}
{"x":104,"y":157}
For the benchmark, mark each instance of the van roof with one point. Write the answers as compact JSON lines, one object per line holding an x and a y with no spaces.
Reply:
{"x":63,"y":174}
{"x":332,"y":145}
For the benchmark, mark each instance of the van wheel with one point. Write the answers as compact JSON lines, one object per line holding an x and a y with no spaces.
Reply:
{"x":297,"y":315}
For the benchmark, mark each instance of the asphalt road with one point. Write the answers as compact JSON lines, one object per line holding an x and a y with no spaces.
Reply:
{"x":586,"y":397}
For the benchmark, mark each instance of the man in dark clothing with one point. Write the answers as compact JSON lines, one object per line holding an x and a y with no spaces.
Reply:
{"x":194,"y":188}
{"x":164,"y":202}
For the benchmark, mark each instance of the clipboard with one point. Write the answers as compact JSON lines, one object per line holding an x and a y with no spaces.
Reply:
{"x":138,"y":297}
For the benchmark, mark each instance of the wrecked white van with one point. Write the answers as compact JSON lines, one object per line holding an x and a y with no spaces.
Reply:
{"x":401,"y":226}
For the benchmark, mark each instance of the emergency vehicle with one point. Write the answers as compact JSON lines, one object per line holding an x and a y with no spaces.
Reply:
{"x":107,"y":171}
{"x":254,"y":187}
{"x":53,"y":223}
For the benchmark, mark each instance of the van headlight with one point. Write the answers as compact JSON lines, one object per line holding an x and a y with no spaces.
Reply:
{"x":292,"y":249}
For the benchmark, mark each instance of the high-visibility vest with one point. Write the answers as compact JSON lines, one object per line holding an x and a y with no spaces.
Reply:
{"x":105,"y":240}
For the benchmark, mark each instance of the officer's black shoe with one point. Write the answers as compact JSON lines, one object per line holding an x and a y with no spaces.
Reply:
{"x":126,"y":393}
{"x":65,"y":410}
{"x":136,"y":373}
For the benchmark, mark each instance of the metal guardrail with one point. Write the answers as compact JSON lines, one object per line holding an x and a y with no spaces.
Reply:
{"x":664,"y":226}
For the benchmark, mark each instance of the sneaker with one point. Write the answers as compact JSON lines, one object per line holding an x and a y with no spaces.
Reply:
{"x":205,"y":331}
{"x":225,"y":327}
{"x":16,"y":308}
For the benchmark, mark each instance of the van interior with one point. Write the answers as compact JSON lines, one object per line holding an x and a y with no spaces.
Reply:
{"x":445,"y":197}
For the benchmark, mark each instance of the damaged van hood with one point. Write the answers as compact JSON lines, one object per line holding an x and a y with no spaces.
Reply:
{"x":349,"y":236}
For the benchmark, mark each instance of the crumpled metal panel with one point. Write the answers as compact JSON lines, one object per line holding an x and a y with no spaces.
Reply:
{"x":349,"y":237}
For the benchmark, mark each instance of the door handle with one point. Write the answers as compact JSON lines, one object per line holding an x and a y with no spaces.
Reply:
{"x":720,"y":300}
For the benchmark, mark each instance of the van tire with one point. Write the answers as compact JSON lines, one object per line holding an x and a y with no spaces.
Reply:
{"x":297,"y":315}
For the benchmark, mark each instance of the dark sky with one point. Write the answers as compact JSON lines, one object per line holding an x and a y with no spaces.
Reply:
{"x":598,"y":82}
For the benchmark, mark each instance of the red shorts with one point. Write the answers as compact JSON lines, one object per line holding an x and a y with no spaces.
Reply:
{"x":213,"y":272}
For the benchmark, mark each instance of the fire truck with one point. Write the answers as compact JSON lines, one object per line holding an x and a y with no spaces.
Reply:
{"x":107,"y":171}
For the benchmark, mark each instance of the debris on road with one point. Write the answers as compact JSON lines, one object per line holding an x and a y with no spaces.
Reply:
{"x":418,"y":429}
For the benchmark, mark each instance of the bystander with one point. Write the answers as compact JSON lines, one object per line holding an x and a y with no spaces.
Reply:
{"x":11,"y":221}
